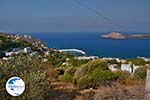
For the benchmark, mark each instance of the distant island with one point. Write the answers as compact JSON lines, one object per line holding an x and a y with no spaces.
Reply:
{"x":117,"y":35}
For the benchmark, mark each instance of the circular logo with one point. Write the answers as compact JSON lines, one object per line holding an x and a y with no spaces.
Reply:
{"x":15,"y":86}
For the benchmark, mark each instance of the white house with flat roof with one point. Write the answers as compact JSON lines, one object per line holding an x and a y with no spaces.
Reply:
{"x":17,"y":51}
{"x":129,"y":67}
{"x":126,"y":67}
{"x":27,"y":50}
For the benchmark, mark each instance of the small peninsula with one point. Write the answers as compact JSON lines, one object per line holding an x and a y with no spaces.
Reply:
{"x":117,"y":35}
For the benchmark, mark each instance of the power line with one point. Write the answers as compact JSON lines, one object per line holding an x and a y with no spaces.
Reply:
{"x":98,"y":13}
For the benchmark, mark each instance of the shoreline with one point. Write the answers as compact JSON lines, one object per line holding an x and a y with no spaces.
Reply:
{"x":100,"y":55}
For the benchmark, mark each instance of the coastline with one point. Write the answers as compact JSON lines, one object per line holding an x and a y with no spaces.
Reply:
{"x":95,"y":46}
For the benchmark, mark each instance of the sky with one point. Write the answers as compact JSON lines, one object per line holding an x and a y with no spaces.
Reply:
{"x":69,"y":16}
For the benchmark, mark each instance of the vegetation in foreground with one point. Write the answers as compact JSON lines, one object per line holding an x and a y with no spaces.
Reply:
{"x":63,"y":77}
{"x":30,"y":70}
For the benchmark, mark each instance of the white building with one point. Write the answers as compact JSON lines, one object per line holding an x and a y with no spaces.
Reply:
{"x":17,"y":51}
{"x":135,"y":67}
{"x":87,"y":58}
{"x":8,"y":53}
{"x":117,"y":59}
{"x":144,"y":58}
{"x":129,"y":67}
{"x":27,"y":50}
{"x":47,"y":53}
{"x":33,"y":53}
{"x":123,"y":61}
{"x":11,"y":53}
{"x":113,"y":67}
{"x":126,"y":67}
{"x":27,"y":36}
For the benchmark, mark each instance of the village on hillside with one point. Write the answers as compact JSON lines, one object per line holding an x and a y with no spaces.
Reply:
{"x":124,"y":65}
{"x":69,"y":72}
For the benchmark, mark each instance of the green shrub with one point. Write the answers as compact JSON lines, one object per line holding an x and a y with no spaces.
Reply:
{"x":1,"y":54}
{"x":70,"y":71}
{"x":121,"y":75}
{"x":102,"y":75}
{"x":29,"y":69}
{"x":66,"y":78}
{"x":95,"y":78}
{"x":83,"y":82}
{"x":140,"y":72}
{"x":138,"y":61}
{"x":90,"y":66}
{"x":93,"y":73}
{"x":76,"y":62}
{"x":100,"y":64}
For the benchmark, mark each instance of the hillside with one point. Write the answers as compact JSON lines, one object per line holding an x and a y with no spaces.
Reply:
{"x":53,"y":75}
{"x":117,"y":35}
{"x":114,"y":35}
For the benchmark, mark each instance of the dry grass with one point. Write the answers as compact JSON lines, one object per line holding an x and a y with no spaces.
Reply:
{"x":120,"y":92}
{"x":63,"y":91}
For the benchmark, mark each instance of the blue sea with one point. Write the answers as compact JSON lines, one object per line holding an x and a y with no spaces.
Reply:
{"x":94,"y":45}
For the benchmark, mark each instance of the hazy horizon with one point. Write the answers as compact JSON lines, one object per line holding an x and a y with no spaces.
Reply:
{"x":70,"y":16}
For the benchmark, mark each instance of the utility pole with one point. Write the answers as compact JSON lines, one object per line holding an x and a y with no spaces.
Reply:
{"x":147,"y":86}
